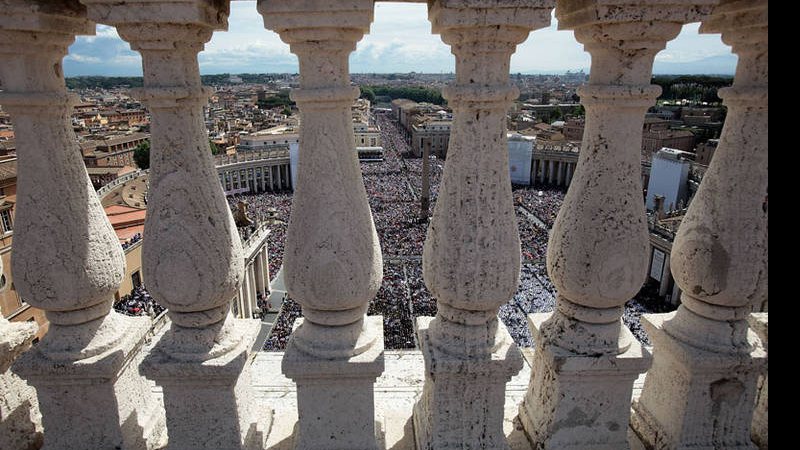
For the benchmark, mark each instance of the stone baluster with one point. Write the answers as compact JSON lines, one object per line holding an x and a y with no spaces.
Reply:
{"x":67,"y":259}
{"x":192,"y":258}
{"x":701,"y":390}
{"x":760,"y":428}
{"x":471,"y":257}
{"x":586,"y":359}
{"x":333,"y":262}
{"x":20,"y":419}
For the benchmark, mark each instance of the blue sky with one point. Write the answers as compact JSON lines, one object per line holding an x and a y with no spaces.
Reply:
{"x":400,"y":41}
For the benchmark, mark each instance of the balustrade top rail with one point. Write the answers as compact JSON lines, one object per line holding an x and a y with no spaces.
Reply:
{"x":105,"y":189}
{"x":256,"y":155}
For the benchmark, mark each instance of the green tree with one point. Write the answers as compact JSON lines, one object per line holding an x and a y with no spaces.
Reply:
{"x":214,"y":148}
{"x":368,"y":93}
{"x":578,"y":111}
{"x":286,"y":111}
{"x":142,"y":155}
{"x":556,"y":114}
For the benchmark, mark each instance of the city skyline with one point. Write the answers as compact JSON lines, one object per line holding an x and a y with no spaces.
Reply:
{"x":400,"y":41}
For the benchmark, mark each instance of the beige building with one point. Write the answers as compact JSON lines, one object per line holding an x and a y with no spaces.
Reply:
{"x":114,"y":152}
{"x":705,"y":151}
{"x":280,"y":136}
{"x":657,"y":134}
{"x":433,"y":129}
{"x":367,"y":135}
{"x":12,"y":305}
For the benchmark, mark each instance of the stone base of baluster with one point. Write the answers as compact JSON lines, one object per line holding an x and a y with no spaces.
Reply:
{"x":335,"y":397}
{"x":577,"y":401}
{"x":462,"y":403}
{"x":99,"y":401}
{"x":208,"y":400}
{"x":760,"y":429}
{"x":693,"y":398}
{"x":20,"y":421}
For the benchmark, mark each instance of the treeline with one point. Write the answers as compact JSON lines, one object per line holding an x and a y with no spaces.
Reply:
{"x":277,"y":100}
{"x":100,"y":82}
{"x":699,"y":88}
{"x":415,"y":93}
{"x":97,"y":82}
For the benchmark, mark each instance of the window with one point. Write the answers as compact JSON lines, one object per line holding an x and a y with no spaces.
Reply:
{"x":136,"y":279}
{"x":5,"y":218}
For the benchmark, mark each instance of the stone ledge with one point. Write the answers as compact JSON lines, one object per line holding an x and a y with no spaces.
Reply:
{"x":396,"y":392}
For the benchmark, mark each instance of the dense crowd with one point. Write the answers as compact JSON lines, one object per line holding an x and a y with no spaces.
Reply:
{"x":543,"y":202}
{"x":138,"y":303}
{"x":535,"y":294}
{"x":134,"y":239}
{"x":533,"y":238}
{"x":277,"y":339}
{"x":273,"y":208}
{"x":646,"y":301}
{"x":393,"y":188}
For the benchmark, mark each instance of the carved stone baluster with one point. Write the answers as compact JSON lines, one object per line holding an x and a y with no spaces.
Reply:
{"x":66,"y":258}
{"x":471,"y":258}
{"x":20,"y":419}
{"x":701,"y":390}
{"x":586,"y":360}
{"x":333,"y":261}
{"x":192,"y":254}
{"x":760,"y":428}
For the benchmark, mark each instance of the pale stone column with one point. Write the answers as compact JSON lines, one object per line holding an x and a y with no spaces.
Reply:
{"x":267,"y":279}
{"x":259,"y":271}
{"x":251,"y":284}
{"x":701,"y":390}
{"x":560,"y":173}
{"x":192,"y":259}
{"x":569,"y":174}
{"x":665,"y":276}
{"x":586,"y":359}
{"x":67,"y":259}
{"x":20,"y":419}
{"x":333,"y":261}
{"x":239,"y":313}
{"x":471,"y":258}
{"x":760,"y":429}
{"x":543,"y":166}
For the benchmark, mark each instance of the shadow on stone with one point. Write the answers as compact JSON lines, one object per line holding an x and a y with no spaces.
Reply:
{"x":18,"y":431}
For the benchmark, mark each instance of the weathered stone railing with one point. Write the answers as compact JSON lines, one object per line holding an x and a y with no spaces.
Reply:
{"x":106,"y":188}
{"x":89,"y":370}
{"x":257,"y":155}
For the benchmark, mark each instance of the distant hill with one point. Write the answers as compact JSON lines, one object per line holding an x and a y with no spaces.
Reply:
{"x":715,"y":65}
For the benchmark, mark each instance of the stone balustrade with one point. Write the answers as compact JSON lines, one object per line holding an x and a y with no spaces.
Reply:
{"x":91,"y":370}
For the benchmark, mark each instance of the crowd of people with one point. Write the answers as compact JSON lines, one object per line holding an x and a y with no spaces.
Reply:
{"x":133,"y":239}
{"x":138,"y":303}
{"x":289,"y":312}
{"x":273,"y":208}
{"x":542,"y":202}
{"x":393,"y":188}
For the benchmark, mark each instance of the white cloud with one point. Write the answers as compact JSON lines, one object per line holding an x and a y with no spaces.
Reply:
{"x":400,"y":40}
